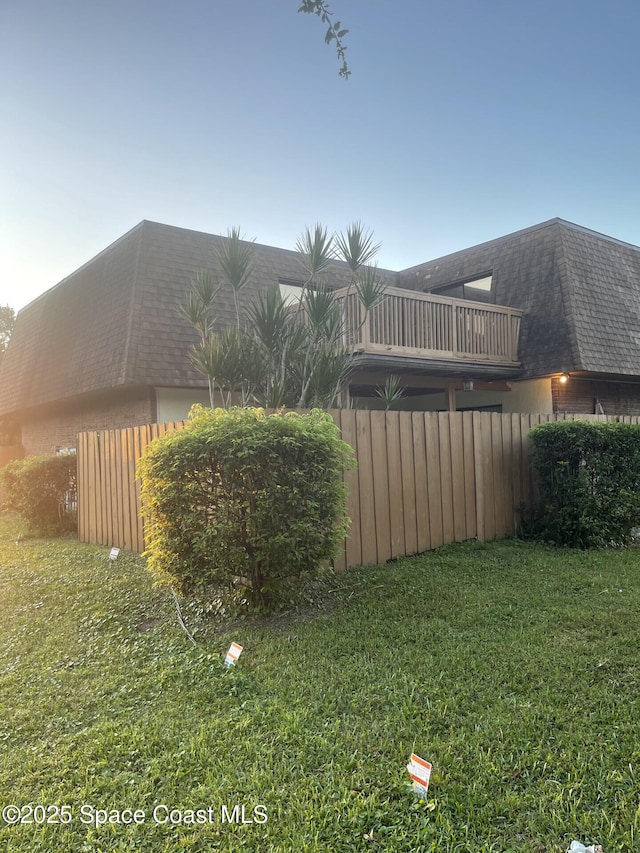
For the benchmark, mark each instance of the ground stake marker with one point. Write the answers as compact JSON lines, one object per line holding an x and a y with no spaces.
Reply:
{"x":419,"y":771}
{"x":233,"y":654}
{"x":113,"y":554}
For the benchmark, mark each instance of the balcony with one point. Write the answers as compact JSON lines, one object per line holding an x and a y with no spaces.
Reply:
{"x":409,"y":324}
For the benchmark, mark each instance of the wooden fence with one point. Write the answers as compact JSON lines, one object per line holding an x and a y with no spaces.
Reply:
{"x":424,"y":479}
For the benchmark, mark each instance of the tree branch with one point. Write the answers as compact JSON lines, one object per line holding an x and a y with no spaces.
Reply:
{"x":335,"y":33}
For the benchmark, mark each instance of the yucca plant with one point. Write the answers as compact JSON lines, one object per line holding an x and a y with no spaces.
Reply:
{"x":282,"y":356}
{"x":198,"y":308}
{"x":235,"y":258}
{"x":390,"y":392}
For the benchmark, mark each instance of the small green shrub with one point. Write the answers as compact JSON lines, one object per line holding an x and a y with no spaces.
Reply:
{"x":42,"y":489}
{"x":589,"y":476}
{"x":244,"y":501}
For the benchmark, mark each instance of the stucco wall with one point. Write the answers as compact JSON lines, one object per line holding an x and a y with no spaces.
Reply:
{"x":174,"y":403}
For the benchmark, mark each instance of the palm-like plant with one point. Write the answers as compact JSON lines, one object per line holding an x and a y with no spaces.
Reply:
{"x":356,"y":247}
{"x":390,"y":392}
{"x":236,"y":259}
{"x":316,"y":250}
{"x":206,"y":358}
{"x":284,"y":356}
{"x":198,"y":309}
{"x":369,"y":288}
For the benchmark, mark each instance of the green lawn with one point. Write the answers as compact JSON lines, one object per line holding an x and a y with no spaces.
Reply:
{"x":513,"y":668}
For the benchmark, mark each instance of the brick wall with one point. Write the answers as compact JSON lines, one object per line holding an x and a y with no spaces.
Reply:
{"x":52,"y":428}
{"x":578,"y":396}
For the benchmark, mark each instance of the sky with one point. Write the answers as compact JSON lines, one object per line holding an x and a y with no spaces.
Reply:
{"x":462,"y":120}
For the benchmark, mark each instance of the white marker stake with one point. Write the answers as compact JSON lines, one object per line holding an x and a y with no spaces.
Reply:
{"x":419,"y":771}
{"x":113,"y":555}
{"x":233,"y":654}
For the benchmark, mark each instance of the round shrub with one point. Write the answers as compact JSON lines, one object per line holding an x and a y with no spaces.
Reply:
{"x":42,"y":489}
{"x":589,"y":481}
{"x":241,"y":499}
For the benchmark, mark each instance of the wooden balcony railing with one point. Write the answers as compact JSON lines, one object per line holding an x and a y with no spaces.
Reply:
{"x":423,"y":325}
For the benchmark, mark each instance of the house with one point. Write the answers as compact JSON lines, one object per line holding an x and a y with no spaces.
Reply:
{"x":579,"y":293}
{"x":497,"y":326}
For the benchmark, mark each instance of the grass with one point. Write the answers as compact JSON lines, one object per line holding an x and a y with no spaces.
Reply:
{"x":513,"y":668}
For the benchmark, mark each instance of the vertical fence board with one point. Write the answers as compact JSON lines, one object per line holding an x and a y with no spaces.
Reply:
{"x":109,"y":504}
{"x":507,"y":467}
{"x":420,"y":477}
{"x":446,"y":477}
{"x":487,"y":473}
{"x":99,"y":493}
{"x":109,"y":516}
{"x":365,"y":485}
{"x":408,"y":484}
{"x":498,"y":475}
{"x":468,"y":453}
{"x":100,"y":497}
{"x":122,"y":485}
{"x":134,"y":492}
{"x":117,"y":494}
{"x":381,"y":486}
{"x":127,"y":487}
{"x":478,"y":466}
{"x":457,"y":476}
{"x":103,"y":494}
{"x":516,"y":472}
{"x":395,"y":488}
{"x":93,"y":488}
{"x":432,"y":443}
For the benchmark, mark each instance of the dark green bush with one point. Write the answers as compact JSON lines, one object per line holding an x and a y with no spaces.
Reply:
{"x":42,"y":489}
{"x":589,"y":476}
{"x":244,"y":501}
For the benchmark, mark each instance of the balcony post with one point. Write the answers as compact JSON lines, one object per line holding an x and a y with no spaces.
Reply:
{"x":364,"y":326}
{"x":454,"y":336}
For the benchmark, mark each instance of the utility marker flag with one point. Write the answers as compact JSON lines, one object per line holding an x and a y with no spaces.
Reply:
{"x":114,"y":553}
{"x":419,"y":771}
{"x":233,"y":654}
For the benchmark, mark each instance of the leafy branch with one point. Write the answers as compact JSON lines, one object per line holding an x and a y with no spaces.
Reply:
{"x":334,"y":31}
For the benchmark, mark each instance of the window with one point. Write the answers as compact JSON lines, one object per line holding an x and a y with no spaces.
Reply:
{"x":290,"y":291}
{"x":477,"y":288}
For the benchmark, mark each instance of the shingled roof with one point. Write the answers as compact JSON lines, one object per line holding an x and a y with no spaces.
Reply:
{"x":115,"y":323}
{"x":579,"y":290}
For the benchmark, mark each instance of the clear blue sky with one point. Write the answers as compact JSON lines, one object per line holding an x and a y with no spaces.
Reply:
{"x":462,"y":121}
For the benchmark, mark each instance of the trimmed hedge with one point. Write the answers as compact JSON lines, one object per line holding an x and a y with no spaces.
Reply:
{"x":244,"y":501}
{"x":589,"y":482}
{"x":42,"y":489}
